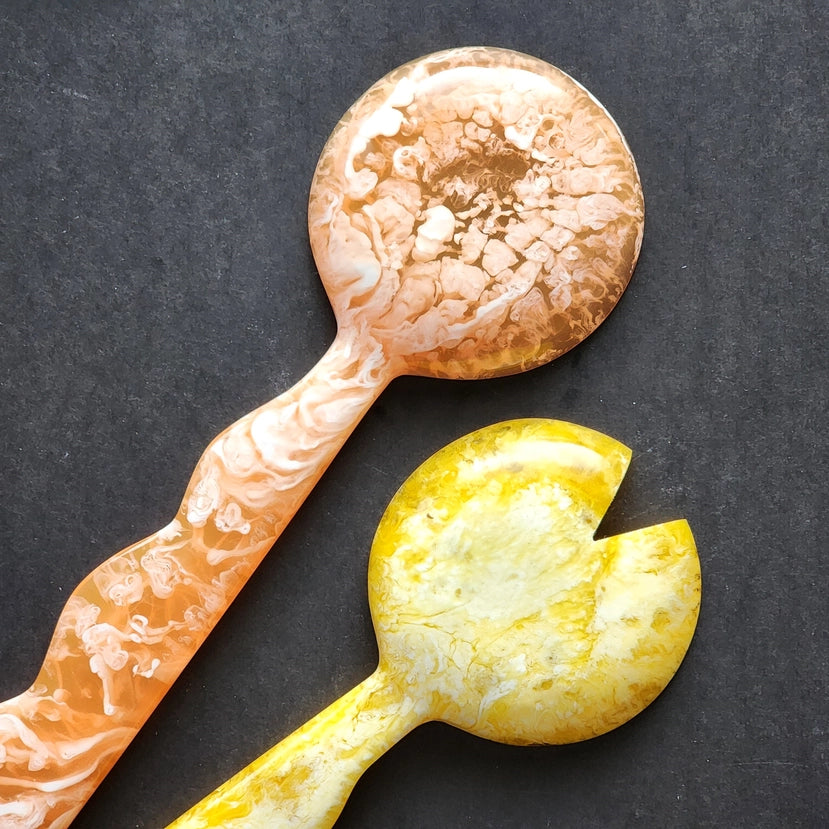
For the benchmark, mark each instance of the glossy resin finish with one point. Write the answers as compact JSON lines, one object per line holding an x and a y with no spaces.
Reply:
{"x":483,"y":209}
{"x":475,"y":213}
{"x":495,"y":611}
{"x":132,"y":625}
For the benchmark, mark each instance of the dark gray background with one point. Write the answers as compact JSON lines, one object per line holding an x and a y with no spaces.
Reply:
{"x":157,"y":284}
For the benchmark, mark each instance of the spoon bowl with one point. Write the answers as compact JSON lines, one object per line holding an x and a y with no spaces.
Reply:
{"x":491,"y":597}
{"x":476,"y":212}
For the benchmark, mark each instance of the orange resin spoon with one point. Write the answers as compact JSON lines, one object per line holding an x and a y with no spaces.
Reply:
{"x":476,"y":213}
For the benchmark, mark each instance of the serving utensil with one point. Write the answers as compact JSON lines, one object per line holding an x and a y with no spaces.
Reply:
{"x":476,"y":213}
{"x":495,"y":611}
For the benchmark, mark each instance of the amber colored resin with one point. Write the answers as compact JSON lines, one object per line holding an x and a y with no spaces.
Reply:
{"x":495,"y":611}
{"x":484,"y":210}
{"x":475,"y":213}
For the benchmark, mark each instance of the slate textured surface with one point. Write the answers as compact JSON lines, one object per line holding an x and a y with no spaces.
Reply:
{"x":156,"y":283}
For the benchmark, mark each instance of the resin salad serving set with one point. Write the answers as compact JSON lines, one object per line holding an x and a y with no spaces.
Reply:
{"x":475,"y":213}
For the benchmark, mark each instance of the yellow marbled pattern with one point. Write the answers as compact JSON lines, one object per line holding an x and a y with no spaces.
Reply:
{"x":495,"y":611}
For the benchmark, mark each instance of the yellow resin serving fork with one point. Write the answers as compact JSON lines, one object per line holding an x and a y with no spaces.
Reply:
{"x":496,"y":611}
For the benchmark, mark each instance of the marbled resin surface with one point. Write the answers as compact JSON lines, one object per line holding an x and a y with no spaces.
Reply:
{"x":496,"y":611}
{"x":131,"y":626}
{"x":483,"y":209}
{"x":474,"y":214}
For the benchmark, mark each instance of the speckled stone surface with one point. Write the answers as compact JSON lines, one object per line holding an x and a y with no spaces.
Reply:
{"x":156,"y":283}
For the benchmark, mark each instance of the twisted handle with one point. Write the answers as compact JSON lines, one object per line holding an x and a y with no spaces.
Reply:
{"x":131,"y":626}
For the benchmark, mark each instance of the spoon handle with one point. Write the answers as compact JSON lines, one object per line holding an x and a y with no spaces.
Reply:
{"x":131,"y":626}
{"x":305,"y":780}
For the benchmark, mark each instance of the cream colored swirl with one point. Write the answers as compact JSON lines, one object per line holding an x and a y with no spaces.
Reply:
{"x":133,"y":624}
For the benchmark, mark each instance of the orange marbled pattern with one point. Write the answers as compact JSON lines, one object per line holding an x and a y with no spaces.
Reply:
{"x":475,"y":213}
{"x":484,"y":210}
{"x":132,"y":625}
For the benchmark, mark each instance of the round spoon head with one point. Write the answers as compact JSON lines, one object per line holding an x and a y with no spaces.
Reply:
{"x":497,"y":611}
{"x":475,"y":213}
